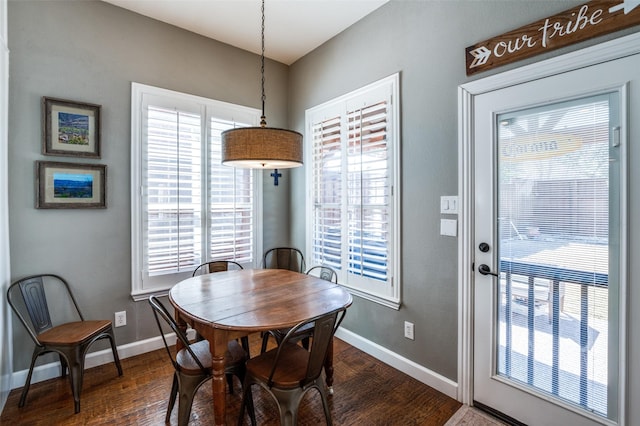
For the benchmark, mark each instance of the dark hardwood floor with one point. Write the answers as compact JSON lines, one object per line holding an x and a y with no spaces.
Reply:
{"x":366,"y":392}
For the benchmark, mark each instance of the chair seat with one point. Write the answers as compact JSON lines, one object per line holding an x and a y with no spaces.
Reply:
{"x":293,"y":359}
{"x":232,"y":357}
{"x":73,"y":333}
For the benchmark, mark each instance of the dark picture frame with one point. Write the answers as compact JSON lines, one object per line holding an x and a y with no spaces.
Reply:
{"x":61,"y":185}
{"x":70,"y":128}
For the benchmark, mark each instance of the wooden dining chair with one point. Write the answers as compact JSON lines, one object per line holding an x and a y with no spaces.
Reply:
{"x":192,"y":365}
{"x":46,"y":307}
{"x":289,"y":258}
{"x":289,"y":371}
{"x":321,"y":271}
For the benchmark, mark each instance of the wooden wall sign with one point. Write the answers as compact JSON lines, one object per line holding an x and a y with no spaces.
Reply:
{"x":596,"y":18}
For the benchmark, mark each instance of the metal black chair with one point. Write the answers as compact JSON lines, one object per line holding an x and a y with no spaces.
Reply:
{"x":46,"y":307}
{"x":289,"y":258}
{"x":192,"y":365}
{"x":289,"y":371}
{"x":216,"y":266}
{"x":325,"y":272}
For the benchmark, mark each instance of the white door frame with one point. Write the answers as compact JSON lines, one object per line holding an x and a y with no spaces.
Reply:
{"x":593,"y":55}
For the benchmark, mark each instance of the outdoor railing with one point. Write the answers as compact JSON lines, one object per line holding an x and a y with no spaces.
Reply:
{"x":556,"y":276}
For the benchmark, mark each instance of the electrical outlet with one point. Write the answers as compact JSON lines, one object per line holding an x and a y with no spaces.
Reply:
{"x":408,"y":330}
{"x":121,"y":319}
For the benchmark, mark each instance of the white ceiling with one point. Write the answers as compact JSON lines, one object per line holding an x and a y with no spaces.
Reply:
{"x":293,"y":28}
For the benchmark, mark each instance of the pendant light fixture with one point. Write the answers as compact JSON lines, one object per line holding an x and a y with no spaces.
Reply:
{"x":261,"y":147}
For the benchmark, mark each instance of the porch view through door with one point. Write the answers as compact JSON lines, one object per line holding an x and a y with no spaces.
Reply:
{"x":553,"y":203}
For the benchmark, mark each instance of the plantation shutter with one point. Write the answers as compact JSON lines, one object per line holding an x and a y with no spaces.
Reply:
{"x":186,"y":208}
{"x":327,"y":193}
{"x":173,"y":186}
{"x":232,"y":212}
{"x":351,"y":189}
{"x":368,"y":191}
{"x":353,"y":146}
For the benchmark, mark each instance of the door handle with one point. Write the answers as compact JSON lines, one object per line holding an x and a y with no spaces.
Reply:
{"x":485,"y":270}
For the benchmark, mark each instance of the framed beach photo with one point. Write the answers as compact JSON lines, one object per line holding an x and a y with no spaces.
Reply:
{"x":70,"y":128}
{"x":70,"y":185}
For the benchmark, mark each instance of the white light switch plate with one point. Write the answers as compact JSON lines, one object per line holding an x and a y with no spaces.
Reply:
{"x":449,"y":227}
{"x":449,"y":204}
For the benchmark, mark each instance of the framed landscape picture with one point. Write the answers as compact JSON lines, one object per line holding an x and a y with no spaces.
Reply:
{"x":70,"y":128}
{"x":70,"y":185}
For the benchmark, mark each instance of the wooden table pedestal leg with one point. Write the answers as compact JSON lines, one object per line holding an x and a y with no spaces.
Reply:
{"x":218,"y":346}
{"x":219,"y":387}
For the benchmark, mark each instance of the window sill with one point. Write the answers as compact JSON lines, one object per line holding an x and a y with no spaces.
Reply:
{"x":384,"y":301}
{"x":142,"y":295}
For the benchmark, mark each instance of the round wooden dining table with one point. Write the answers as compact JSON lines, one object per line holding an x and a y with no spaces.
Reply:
{"x":232,"y":304}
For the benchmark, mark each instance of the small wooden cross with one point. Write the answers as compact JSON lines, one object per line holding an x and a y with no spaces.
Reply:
{"x":275,"y":175}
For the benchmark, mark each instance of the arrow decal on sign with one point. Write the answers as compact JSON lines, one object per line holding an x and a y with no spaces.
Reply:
{"x":480,"y":56}
{"x":628,"y":6}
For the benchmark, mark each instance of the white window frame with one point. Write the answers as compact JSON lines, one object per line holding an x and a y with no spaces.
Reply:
{"x":387,"y":293}
{"x":142,"y":95}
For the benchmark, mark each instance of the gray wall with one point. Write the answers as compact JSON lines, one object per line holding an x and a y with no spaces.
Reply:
{"x":91,"y":51}
{"x":425,"y":42}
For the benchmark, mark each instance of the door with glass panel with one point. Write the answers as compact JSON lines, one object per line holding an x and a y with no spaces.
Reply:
{"x":549,"y":161}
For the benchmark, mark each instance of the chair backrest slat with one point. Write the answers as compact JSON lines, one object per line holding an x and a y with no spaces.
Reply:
{"x":289,"y":258}
{"x":324,"y":272}
{"x":324,"y":328}
{"x":216,"y":266}
{"x":32,"y":291}
{"x":322,"y":334}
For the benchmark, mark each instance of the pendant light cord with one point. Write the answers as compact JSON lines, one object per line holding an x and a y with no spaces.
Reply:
{"x":263,"y":119}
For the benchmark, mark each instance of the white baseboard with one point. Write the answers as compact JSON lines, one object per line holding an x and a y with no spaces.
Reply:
{"x":417,"y":371}
{"x":93,"y":359}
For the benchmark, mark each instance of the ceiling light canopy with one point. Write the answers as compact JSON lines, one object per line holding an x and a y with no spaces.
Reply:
{"x":261,"y":147}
